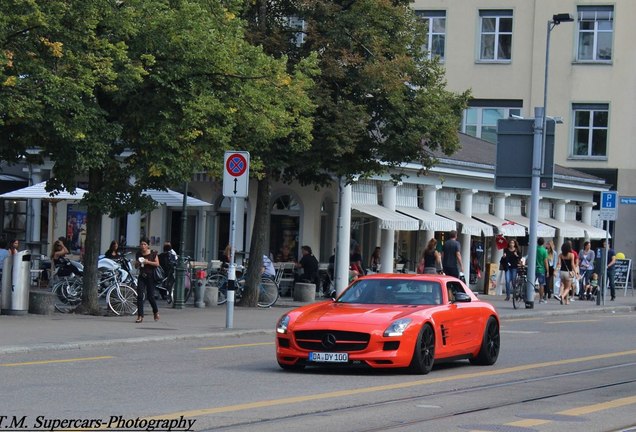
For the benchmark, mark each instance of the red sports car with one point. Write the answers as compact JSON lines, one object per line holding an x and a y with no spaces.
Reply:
{"x":391,"y":321}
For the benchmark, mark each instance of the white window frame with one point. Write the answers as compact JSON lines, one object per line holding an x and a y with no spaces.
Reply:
{"x":479,"y":125}
{"x":498,"y":15}
{"x":598,"y":15}
{"x":430,"y":18}
{"x":592,"y":109}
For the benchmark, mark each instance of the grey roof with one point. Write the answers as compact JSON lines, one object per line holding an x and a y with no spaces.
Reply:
{"x":482,"y":155}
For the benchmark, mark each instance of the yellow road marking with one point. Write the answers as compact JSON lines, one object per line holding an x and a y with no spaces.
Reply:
{"x":616,"y":403}
{"x":41,"y":362}
{"x":236,"y":346}
{"x":579,"y":411}
{"x":374,"y":389}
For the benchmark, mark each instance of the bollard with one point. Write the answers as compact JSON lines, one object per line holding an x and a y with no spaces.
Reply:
{"x":199,"y":288}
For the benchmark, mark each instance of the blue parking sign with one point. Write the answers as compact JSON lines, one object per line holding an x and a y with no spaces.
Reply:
{"x":609,"y":205}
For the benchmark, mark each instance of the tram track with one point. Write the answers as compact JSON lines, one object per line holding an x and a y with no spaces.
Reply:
{"x":475,"y":389}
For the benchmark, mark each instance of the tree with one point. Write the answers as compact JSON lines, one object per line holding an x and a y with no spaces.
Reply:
{"x":144,"y":90}
{"x":380,"y":100}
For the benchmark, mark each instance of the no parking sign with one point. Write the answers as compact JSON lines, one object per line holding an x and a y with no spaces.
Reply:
{"x":236,"y":174}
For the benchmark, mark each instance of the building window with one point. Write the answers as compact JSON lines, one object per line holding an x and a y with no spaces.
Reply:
{"x":435,"y":32}
{"x":590,"y":130}
{"x":495,"y":35}
{"x":480,"y":118}
{"x":596,"y":28}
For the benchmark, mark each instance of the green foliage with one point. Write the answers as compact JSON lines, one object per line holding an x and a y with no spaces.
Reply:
{"x":154,"y":90}
{"x":380,"y":101}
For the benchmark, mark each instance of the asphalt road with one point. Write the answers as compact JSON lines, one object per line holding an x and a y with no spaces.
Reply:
{"x":555,"y":373}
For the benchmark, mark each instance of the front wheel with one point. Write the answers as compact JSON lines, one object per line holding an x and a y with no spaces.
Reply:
{"x":122,"y":300}
{"x":517,"y":295}
{"x":267,"y":293}
{"x":424,"y":353}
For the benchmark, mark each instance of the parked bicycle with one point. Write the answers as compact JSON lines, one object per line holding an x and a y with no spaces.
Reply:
{"x":519,"y":288}
{"x":120,"y":298}
{"x":165,"y":287}
{"x":268,"y":289}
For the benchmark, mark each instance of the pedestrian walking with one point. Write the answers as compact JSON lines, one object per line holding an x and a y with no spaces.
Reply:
{"x":541,"y":268}
{"x":146,"y":262}
{"x":451,"y":256}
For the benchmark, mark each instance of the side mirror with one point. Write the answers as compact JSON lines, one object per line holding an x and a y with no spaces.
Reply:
{"x":461,"y":297}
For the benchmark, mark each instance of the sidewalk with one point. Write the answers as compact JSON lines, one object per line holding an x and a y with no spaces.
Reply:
{"x":64,"y":332}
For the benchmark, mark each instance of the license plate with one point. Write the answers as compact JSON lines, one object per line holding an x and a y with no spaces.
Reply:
{"x":328,"y":357}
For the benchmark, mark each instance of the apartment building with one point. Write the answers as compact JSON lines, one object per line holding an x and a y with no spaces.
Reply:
{"x":497,"y":48}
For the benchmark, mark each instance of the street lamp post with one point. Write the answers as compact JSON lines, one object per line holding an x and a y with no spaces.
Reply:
{"x":180,"y":270}
{"x":538,"y":150}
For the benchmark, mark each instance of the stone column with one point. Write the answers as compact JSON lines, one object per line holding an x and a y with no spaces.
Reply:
{"x":430,"y":205}
{"x":466,"y":208}
{"x":389,"y":198}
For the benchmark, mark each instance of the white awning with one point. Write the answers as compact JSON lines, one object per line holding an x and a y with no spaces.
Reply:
{"x":469,"y":225}
{"x":503,"y":226}
{"x":171,"y":198}
{"x":389,"y":219}
{"x":428,"y":221}
{"x":542,"y":230}
{"x":566,"y":229}
{"x":593,"y":233}
{"x":38,"y":191}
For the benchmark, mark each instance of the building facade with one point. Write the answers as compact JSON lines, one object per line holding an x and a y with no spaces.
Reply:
{"x":497,"y":48}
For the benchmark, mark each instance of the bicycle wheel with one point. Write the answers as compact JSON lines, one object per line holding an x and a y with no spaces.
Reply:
{"x":188,"y":288}
{"x":267,"y":292}
{"x":518,"y":294}
{"x":222,"y":292}
{"x":122,"y":300}
{"x":69,"y":294}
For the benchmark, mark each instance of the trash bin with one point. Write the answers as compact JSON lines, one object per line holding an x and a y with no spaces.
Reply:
{"x":16,"y":277}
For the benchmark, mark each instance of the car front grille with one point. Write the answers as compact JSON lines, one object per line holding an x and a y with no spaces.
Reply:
{"x":331,"y":340}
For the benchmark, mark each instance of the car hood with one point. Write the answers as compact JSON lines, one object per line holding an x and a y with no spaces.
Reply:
{"x":340,"y":313}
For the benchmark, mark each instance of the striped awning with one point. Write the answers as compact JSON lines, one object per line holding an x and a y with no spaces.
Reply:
{"x":469,"y":225}
{"x":566,"y":229}
{"x":428,"y":221}
{"x":388,"y":219}
{"x":591,"y":232}
{"x":542,"y":230}
{"x":502,"y":226}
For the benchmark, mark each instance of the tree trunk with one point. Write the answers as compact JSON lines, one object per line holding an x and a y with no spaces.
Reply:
{"x":91,"y":249}
{"x":258,"y":243}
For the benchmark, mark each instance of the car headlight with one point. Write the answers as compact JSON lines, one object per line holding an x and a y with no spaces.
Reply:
{"x":397,"y":327}
{"x":283,"y":322}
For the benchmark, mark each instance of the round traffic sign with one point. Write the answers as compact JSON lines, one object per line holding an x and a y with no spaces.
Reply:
{"x":236,"y":165}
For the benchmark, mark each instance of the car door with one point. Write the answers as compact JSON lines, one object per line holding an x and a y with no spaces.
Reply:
{"x":462,"y":320}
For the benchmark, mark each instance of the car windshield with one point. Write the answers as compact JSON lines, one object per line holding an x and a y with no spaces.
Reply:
{"x":393,"y":291}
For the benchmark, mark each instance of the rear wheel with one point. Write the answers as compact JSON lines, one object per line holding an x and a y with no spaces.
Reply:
{"x":424,"y":353}
{"x":489,"y":345}
{"x":267,"y":292}
{"x":220,"y":282}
